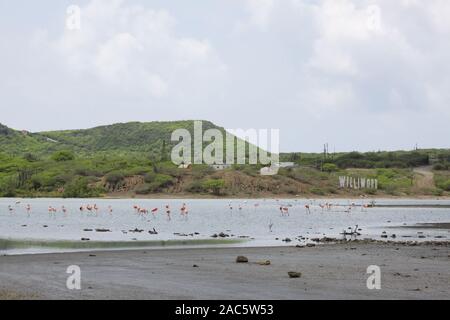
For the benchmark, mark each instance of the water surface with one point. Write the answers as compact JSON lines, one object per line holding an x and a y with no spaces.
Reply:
{"x":246,"y":222}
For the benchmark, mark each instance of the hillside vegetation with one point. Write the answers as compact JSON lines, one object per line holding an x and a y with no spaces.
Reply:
{"x":131,"y":159}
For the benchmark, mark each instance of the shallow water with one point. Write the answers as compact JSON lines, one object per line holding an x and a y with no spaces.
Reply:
{"x":247,"y":222}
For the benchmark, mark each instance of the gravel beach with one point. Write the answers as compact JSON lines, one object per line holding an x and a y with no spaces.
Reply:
{"x":331,"y":271}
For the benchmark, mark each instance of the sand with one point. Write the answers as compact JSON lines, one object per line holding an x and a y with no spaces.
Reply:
{"x":336,"y":271}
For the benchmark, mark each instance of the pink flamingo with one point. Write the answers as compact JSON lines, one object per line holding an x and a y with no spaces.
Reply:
{"x":307,"y":208}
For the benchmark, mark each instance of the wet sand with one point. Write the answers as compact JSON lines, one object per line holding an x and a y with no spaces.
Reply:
{"x":336,"y":271}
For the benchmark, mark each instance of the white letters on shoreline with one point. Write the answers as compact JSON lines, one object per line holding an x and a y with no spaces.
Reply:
{"x":357,"y":183}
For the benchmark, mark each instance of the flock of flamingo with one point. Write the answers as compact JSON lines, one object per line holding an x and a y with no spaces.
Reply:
{"x":184,"y":212}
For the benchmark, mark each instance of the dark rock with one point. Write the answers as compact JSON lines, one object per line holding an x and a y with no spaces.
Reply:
{"x":241,"y":259}
{"x":294,"y":274}
{"x":85,"y":239}
{"x":102,"y":230}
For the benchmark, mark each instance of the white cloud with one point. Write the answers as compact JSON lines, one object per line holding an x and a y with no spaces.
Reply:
{"x":348,"y":71}
{"x":134,"y":49}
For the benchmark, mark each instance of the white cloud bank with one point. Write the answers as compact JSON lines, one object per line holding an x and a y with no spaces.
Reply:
{"x":357,"y":74}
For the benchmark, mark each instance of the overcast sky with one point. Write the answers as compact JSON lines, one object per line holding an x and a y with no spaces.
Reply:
{"x":360,"y":75}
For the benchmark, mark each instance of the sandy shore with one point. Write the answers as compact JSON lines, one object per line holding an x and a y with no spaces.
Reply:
{"x":328,"y":272}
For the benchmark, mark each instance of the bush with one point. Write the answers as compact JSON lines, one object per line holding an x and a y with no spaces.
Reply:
{"x":30,"y":157}
{"x":143,"y":189}
{"x":195,"y":187}
{"x":441,"y":166}
{"x":318,"y":191}
{"x":85,"y":172}
{"x":445,"y":185}
{"x":163,"y":180}
{"x":64,"y":155}
{"x":214,"y":185}
{"x":330,"y":167}
{"x":201,"y":171}
{"x":155,"y":183}
{"x":114,"y":178}
{"x":8,"y":189}
{"x":149,"y":177}
{"x":79,"y":188}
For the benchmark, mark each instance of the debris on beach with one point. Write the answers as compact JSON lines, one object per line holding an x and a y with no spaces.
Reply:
{"x":102,"y":230}
{"x":88,"y":230}
{"x":264,"y":263}
{"x":85,"y":239}
{"x":294,"y":274}
{"x":136,"y":230}
{"x":153,"y":231}
{"x":241,"y":259}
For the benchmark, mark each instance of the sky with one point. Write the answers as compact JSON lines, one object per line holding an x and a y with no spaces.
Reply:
{"x":358,"y":75}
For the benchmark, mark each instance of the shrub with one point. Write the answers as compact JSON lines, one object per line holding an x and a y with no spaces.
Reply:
{"x":64,"y":155}
{"x":317,"y":191}
{"x":149,"y":177}
{"x":440,"y":166}
{"x":330,"y":167}
{"x":445,"y":185}
{"x":79,"y":188}
{"x":201,"y":171}
{"x":163,"y":180}
{"x":155,"y":183}
{"x":143,"y":189}
{"x":30,"y":157}
{"x":195,"y":187}
{"x":114,"y":178}
{"x":214,"y":185}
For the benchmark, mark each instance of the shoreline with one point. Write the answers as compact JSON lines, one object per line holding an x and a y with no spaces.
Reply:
{"x":242,"y":197}
{"x":329,"y":271}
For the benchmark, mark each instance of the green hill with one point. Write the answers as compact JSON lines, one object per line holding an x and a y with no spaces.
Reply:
{"x":118,"y":138}
{"x":129,"y":159}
